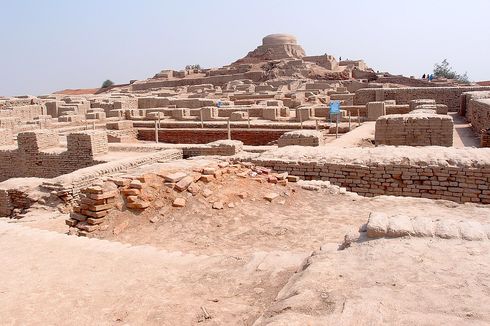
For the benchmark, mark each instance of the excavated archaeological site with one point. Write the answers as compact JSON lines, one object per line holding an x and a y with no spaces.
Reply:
{"x":239,"y":196}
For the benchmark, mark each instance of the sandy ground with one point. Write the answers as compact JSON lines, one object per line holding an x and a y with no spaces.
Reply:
{"x":389,"y":282}
{"x":54,"y":279}
{"x":354,"y":138}
{"x":243,"y":264}
{"x":463,"y":135}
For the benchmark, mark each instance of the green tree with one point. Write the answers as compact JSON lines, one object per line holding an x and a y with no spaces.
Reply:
{"x":444,"y":70}
{"x":107,"y":83}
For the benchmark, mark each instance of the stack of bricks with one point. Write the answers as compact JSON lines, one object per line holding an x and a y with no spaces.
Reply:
{"x":33,"y":141}
{"x":95,"y":204}
{"x":375,"y":110}
{"x":414,"y":130}
{"x":301,"y":138}
{"x":88,"y":143}
{"x":132,"y":192}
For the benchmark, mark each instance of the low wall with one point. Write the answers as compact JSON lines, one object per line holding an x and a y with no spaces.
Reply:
{"x":449,"y":96}
{"x":414,"y":130}
{"x":478,"y":113}
{"x":38,"y":154}
{"x":203,"y":136}
{"x":71,"y":183}
{"x":301,"y":138}
{"x":459,"y":175}
{"x":220,"y":147}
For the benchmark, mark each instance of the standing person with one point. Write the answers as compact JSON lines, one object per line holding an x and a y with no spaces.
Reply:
{"x":430,"y":77}
{"x":423,"y":76}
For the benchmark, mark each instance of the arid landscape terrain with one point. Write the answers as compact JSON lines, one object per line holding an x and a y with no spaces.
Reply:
{"x":281,"y":189}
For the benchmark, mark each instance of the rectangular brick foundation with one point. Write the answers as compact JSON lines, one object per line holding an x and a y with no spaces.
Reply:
{"x":203,"y":136}
{"x":414,"y":130}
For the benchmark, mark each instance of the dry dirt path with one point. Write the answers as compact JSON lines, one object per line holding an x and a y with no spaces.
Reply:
{"x":53,"y":279}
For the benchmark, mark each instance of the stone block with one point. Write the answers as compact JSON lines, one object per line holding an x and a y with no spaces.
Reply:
{"x":239,"y":116}
{"x":375,"y":110}
{"x":301,"y":138}
{"x":119,"y":125}
{"x":305,"y":113}
{"x":90,"y":143}
{"x":209,"y":113}
{"x":377,"y":225}
{"x":34,"y":141}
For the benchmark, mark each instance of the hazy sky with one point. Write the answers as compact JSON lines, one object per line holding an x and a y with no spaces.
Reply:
{"x":48,"y":45}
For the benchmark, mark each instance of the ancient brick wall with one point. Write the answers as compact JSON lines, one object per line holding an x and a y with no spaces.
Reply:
{"x":70,"y":184}
{"x":458,"y":184}
{"x":24,"y":112}
{"x":32,"y":159}
{"x":478,"y":113}
{"x":414,"y":130}
{"x":87,"y":143}
{"x":449,"y":96}
{"x":301,"y":138}
{"x":220,"y":147}
{"x":204,"y":136}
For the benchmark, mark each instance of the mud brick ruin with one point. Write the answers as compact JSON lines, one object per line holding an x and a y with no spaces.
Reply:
{"x":268,"y":98}
{"x":256,"y":132}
